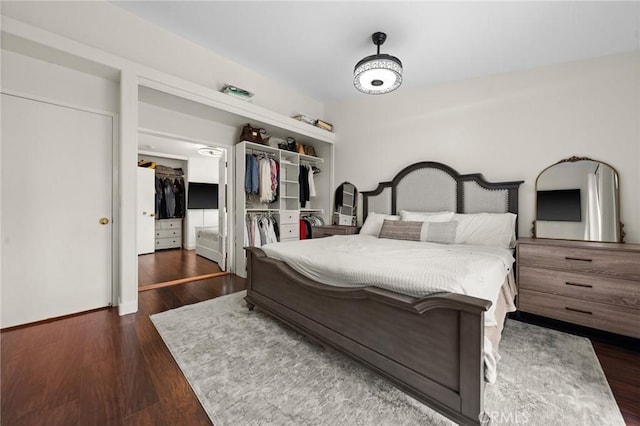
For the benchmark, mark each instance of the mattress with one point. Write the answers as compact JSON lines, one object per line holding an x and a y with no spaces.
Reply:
{"x":413,"y":268}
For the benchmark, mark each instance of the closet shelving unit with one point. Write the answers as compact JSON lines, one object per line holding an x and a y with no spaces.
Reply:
{"x":286,"y":209}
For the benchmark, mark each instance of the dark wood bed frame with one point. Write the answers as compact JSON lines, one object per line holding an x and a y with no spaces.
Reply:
{"x":430,"y":347}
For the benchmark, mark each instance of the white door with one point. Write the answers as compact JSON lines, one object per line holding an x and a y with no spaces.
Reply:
{"x":56,"y":191}
{"x":145,"y":220}
{"x":222,"y":210}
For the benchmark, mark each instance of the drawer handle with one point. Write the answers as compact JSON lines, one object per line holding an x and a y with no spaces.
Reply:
{"x":578,"y":310}
{"x":579,"y":285}
{"x":578,"y":259}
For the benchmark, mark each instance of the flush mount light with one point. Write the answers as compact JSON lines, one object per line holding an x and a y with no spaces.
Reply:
{"x":210,"y":151}
{"x":380,"y":73}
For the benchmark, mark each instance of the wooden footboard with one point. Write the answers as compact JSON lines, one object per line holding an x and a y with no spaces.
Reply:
{"x":431,"y":348}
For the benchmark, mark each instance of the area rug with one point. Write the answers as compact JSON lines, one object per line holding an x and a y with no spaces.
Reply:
{"x":249,"y":369}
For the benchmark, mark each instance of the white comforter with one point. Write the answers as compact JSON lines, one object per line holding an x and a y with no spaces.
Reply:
{"x":409,"y":267}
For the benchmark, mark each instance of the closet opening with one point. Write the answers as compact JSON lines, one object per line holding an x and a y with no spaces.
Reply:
{"x":182,"y":219}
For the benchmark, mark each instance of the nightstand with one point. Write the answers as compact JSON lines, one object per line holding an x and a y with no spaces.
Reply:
{"x":329,"y":230}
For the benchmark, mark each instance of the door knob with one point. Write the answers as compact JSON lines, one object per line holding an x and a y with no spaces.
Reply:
{"x":103,"y":221}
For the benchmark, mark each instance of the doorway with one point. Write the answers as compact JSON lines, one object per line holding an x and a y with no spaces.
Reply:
{"x":195,"y":256}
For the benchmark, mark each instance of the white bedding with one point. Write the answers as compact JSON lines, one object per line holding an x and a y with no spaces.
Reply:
{"x":413,"y":268}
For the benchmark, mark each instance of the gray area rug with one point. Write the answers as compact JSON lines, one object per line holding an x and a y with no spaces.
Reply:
{"x":248,"y":369}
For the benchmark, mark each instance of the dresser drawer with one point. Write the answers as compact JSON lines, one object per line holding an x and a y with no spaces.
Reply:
{"x":289,"y":232}
{"x":169,"y":224}
{"x":615,"y":319}
{"x":604,"y":289}
{"x":163,"y":243}
{"x":290,"y":217}
{"x":605,"y":262}
{"x":168,"y":233}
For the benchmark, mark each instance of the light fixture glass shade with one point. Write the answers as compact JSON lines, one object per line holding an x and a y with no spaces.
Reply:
{"x":378,"y":74}
{"x":210,"y":151}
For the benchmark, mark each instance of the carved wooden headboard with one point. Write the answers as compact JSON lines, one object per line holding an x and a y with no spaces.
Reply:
{"x":432,"y":186}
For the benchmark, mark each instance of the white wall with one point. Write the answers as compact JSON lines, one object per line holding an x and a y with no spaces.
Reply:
{"x":112,"y":29}
{"x":35,"y":77}
{"x":508,"y":127}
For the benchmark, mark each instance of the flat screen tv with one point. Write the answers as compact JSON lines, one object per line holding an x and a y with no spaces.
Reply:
{"x":562,"y":205}
{"x":202,"y":195}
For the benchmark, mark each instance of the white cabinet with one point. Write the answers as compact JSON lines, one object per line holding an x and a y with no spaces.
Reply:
{"x":168,"y":233}
{"x":286,"y":209}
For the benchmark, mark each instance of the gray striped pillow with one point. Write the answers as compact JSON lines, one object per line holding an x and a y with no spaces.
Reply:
{"x":401,"y":230}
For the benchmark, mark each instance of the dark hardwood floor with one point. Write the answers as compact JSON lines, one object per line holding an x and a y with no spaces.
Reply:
{"x":173,"y":264}
{"x":98,"y":368}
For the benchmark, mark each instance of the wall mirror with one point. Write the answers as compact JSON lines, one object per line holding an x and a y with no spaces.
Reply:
{"x":578,"y":199}
{"x":345,"y":205}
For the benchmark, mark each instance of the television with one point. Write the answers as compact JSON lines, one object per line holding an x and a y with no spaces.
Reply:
{"x":562,"y":205}
{"x":202,"y":195}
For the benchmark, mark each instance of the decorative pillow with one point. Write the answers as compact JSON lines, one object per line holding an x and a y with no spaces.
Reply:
{"x":373,"y":223}
{"x":486,"y":229}
{"x":426,"y":216}
{"x":401,"y":230}
{"x":439,"y":232}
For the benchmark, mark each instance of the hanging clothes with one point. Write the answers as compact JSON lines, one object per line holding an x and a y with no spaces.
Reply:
{"x":312,"y":186}
{"x":261,"y":229}
{"x":170,"y":193}
{"x":179,"y":193}
{"x":303,"y":181}
{"x":266,"y":193}
{"x":251,"y":174}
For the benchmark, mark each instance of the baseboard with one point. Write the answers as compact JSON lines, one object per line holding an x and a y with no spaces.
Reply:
{"x":128,"y":307}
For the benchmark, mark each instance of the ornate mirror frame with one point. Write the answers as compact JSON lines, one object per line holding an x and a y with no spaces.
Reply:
{"x":575,"y":159}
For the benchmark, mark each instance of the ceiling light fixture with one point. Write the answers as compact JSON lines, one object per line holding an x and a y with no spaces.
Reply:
{"x":210,"y":151}
{"x":380,"y":73}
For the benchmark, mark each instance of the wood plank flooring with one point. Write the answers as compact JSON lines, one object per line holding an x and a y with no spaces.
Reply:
{"x":99,"y":368}
{"x":170,"y":265}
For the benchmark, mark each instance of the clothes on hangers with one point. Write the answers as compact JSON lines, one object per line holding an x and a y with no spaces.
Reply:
{"x":170,"y":196}
{"x":306,"y":223}
{"x":262,"y":229}
{"x":306,"y":183}
{"x":303,"y":183}
{"x":261,"y":177}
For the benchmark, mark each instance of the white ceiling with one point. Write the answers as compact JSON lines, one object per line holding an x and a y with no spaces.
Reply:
{"x":313,"y":46}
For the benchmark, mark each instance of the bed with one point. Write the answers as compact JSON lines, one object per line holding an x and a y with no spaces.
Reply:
{"x":208,"y":243}
{"x":432,"y":347}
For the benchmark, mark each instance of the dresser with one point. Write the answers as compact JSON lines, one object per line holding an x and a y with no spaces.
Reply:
{"x":168,"y":233}
{"x":591,"y":284}
{"x":329,"y":230}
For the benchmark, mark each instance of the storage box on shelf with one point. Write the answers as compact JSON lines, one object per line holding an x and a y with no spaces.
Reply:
{"x":591,"y":284}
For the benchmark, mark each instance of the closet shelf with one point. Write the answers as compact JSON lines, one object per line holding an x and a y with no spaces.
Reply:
{"x":262,"y":210}
{"x":288,"y":163}
{"x":312,"y":210}
{"x":289,"y":197}
{"x":290,"y":181}
{"x":311,"y":159}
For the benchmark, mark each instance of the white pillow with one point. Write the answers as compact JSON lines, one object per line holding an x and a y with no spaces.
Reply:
{"x":426,"y":216}
{"x":486,"y":229}
{"x":373,"y":223}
